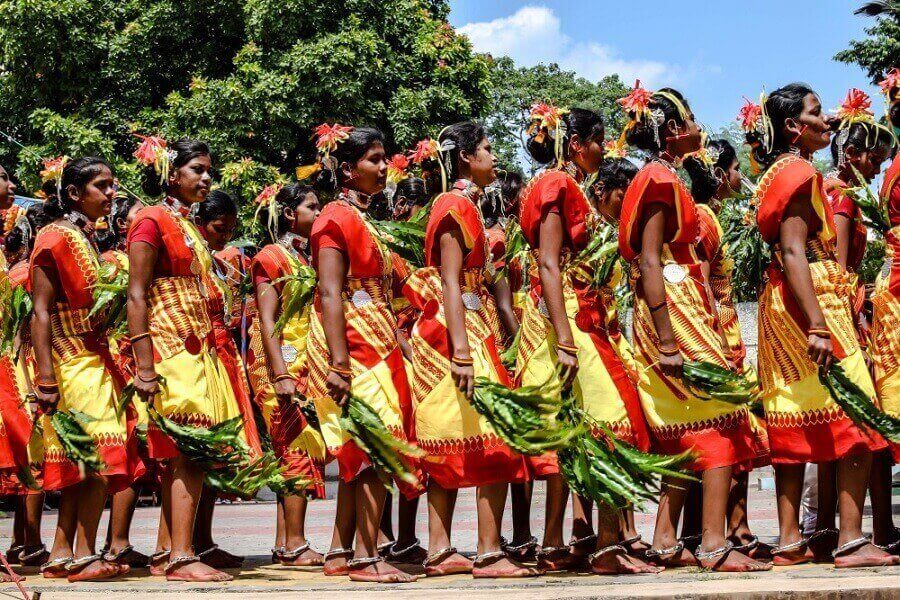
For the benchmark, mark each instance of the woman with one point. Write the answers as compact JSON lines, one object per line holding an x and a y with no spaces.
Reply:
{"x":805,"y":325}
{"x":409,"y":198}
{"x":278,"y":367}
{"x":675,"y":321}
{"x":884,"y":335}
{"x":75,"y":371}
{"x":715,"y":178}
{"x":172,"y":338}
{"x":455,"y":340}
{"x":353,"y":347}
{"x":565,"y":326}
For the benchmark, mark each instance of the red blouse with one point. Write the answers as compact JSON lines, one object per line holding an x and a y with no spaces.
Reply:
{"x":842,"y":204}
{"x":789,"y":178}
{"x":454,"y":211}
{"x":341,"y":226}
{"x":890,"y":191}
{"x":68,"y":261}
{"x":497,"y":245}
{"x":555,"y":191}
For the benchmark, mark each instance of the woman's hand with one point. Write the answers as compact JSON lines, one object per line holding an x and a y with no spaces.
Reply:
{"x":464,"y":378}
{"x":338,"y":387}
{"x":46,"y":401}
{"x":820,"y":350}
{"x":146,"y":384}
{"x":568,"y":364}
{"x":671,"y":365}
{"x":285,"y":390}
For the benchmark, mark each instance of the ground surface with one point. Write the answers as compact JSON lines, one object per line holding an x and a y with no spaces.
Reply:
{"x":248,"y":529}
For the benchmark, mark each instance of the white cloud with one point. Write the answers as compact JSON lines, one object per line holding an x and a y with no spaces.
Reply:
{"x":533,"y":34}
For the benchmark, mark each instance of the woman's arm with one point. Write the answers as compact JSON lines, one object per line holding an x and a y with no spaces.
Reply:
{"x":654,"y":287}
{"x":551,"y":236}
{"x":503,"y":294}
{"x":44,"y":295}
{"x":332,"y":273}
{"x":267,"y":303}
{"x":844,"y":227}
{"x":792,"y":237}
{"x":452,"y":245}
{"x":142,"y":262}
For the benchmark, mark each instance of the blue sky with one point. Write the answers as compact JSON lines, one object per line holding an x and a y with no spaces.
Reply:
{"x":713,"y":51}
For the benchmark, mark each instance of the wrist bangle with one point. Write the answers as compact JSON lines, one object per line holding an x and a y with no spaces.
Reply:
{"x":151,"y":380}
{"x":656,"y":307}
{"x":822,"y":333}
{"x":669,"y":352}
{"x":342,"y":371}
{"x":570,"y":349}
{"x":48,"y":387}
{"x":463,"y":362}
{"x":138,"y":337}
{"x":282,"y":377}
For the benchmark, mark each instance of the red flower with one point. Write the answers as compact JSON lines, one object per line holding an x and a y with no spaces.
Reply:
{"x":615,"y":148}
{"x":53,"y":168}
{"x":397,"y":168}
{"x":329,"y":137}
{"x":544,"y":118}
{"x":749,"y":115}
{"x":426,"y":149}
{"x":637,"y":101}
{"x":855,"y":107}
{"x":267,"y":195}
{"x":151,"y":148}
{"x":890,"y":82}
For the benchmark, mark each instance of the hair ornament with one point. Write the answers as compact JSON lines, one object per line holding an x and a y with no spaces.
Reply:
{"x":749,"y":116}
{"x":328,"y":137}
{"x":424,"y":151}
{"x":856,"y":108}
{"x":53,"y":169}
{"x":616,"y":148}
{"x":545,"y":120}
{"x":11,"y":218}
{"x":265,"y":200}
{"x":153,"y":150}
{"x":890,"y":82}
{"x":397,"y":166}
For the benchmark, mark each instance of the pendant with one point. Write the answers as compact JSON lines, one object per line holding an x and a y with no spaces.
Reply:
{"x":360,"y":298}
{"x":674,"y":273}
{"x":471,"y":300}
{"x":542,"y":308}
{"x":288,"y":353}
{"x":887,"y":266}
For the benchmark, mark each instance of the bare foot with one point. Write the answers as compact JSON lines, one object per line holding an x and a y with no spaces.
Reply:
{"x":378,"y":572}
{"x":868,"y":555}
{"x":407,"y":554}
{"x":730,"y":561}
{"x":619,"y":562}
{"x":336,"y":562}
{"x":447,"y":562}
{"x":749,"y":545}
{"x":127,"y":555}
{"x":12,"y":555}
{"x":497,"y":566}
{"x":56,"y":568}
{"x":195,"y":571}
{"x":34,"y":556}
{"x":821,"y":544}
{"x":672,"y":557}
{"x":217,"y":558}
{"x":304,"y":556}
{"x":157,"y":562}
{"x":552,"y":560}
{"x":522,"y":550}
{"x":635,"y":546}
{"x":96,"y":571}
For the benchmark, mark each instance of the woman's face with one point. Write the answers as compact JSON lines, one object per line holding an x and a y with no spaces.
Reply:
{"x":811,"y":131}
{"x":191,"y":182}
{"x":219,"y":231}
{"x":304,"y":215}
{"x":610,"y":203}
{"x":869,"y":162}
{"x":894,"y":111}
{"x":482,"y":164}
{"x":588,"y":155}
{"x":369,"y":175}
{"x":685,"y":138}
{"x":730,"y":180}
{"x":94,"y":200}
{"x":7,"y":190}
{"x":124,"y":225}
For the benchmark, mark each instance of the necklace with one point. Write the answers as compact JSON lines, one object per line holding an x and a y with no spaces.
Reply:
{"x":293,"y":243}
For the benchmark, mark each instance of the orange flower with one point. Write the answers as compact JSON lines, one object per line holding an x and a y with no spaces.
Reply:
{"x":397,"y":168}
{"x":543,"y":118}
{"x":615,"y":148}
{"x":426,"y":149}
{"x":267,"y":195}
{"x":637,"y":101}
{"x":152,"y":146}
{"x":890,"y":82}
{"x":53,"y":168}
{"x":749,"y":115}
{"x":10,"y":216}
{"x":329,"y":137}
{"x":855,"y":107}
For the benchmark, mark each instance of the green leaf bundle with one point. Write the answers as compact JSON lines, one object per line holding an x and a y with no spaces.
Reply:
{"x":110,"y":298}
{"x":78,"y":446}
{"x":874,"y":211}
{"x":508,"y":357}
{"x":387,"y":453}
{"x":525,"y":418}
{"x":15,"y":312}
{"x":749,"y":252}
{"x":709,"y":381}
{"x":857,"y":404}
{"x":297,"y":293}
{"x":517,"y":248}
{"x":406,"y":238}
{"x":600,"y":255}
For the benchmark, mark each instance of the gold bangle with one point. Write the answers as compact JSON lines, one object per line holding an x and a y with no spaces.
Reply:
{"x":341,"y":371}
{"x":822,"y":333}
{"x":463,"y":362}
{"x":671,"y":352}
{"x":138,"y":337}
{"x":282,"y":377}
{"x":573,"y":349}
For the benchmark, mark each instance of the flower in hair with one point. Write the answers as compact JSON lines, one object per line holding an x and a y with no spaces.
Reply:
{"x":329,"y":137}
{"x":749,"y":115}
{"x":637,"y":102}
{"x":855,"y":108}
{"x":397,"y":168}
{"x":267,"y":195}
{"x":10,"y":217}
{"x":53,"y":168}
{"x":425,"y":150}
{"x":154,"y":151}
{"x":616,"y":148}
{"x":891,"y":81}
{"x":543,"y":119}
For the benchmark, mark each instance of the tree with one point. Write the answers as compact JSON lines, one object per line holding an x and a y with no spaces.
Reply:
{"x":515,"y":89}
{"x":880,"y":52}
{"x":249,"y":76}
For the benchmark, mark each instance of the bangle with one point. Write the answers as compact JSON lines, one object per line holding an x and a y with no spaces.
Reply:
{"x":151,"y":380}
{"x":138,"y":337}
{"x":656,"y":307}
{"x":822,"y":333}
{"x":48,"y":387}
{"x":463,"y":362}
{"x":282,"y":377}
{"x":341,"y":371}
{"x":670,"y":352}
{"x":569,"y":349}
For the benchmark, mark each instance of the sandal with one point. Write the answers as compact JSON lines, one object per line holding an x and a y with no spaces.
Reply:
{"x":691,"y":542}
{"x":556,"y":559}
{"x":355,"y":571}
{"x":339,"y":571}
{"x":137,"y":560}
{"x":12,"y":555}
{"x":287,"y":557}
{"x":276,"y":555}
{"x":385,"y":548}
{"x":620,"y":550}
{"x":848,"y":547}
{"x":657,"y":556}
{"x":524,"y":552}
{"x":893,"y":547}
{"x":33,"y":556}
{"x":234,"y":562}
{"x":628,"y":544}
{"x":56,"y":568}
{"x":755,"y":549}
{"x":781,"y":554}
{"x":186,"y":560}
{"x":436,"y":565}
{"x":156,"y":562}
{"x":411,"y":555}
{"x":482,"y":571}
{"x":75,"y":568}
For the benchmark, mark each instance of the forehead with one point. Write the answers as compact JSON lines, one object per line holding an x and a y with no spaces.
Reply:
{"x":202,"y":159}
{"x":811,"y":102}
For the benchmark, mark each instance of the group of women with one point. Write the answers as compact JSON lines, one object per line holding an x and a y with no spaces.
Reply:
{"x":202,"y":351}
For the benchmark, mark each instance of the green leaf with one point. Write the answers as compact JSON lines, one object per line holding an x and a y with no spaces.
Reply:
{"x":709,"y":381}
{"x":78,"y":446}
{"x":296,"y":294}
{"x":406,"y":238}
{"x":857,"y":404}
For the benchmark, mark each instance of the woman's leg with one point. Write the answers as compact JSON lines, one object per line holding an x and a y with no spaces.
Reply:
{"x":19,"y":517}
{"x":204,"y":545}
{"x":34,"y":511}
{"x":441,"y":561}
{"x":880,"y":492}
{"x":852,"y":479}
{"x":692,"y":524}
{"x":716,"y":485}
{"x":407,"y":549}
{"x":789,"y":489}
{"x":344,"y":530}
{"x":555,"y":554}
{"x":612,"y":558}
{"x":666,"y":549}
{"x":160,"y":556}
{"x":520,"y":498}
{"x":187,"y":487}
{"x":386,"y":526}
{"x":583,"y":538}
{"x":279,"y":525}
{"x":295,"y":534}
{"x":491,"y":500}
{"x":91,"y":500}
{"x":738,"y":528}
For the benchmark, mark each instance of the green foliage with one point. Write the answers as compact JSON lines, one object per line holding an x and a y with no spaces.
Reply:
{"x":857,"y":404}
{"x":78,"y":446}
{"x":709,"y":381}
{"x":879,"y":52}
{"x":872,"y":261}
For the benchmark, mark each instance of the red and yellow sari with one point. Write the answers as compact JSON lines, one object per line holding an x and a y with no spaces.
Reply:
{"x":720,"y":434}
{"x":884,"y":334}
{"x":462,"y":448}
{"x":804,"y":422}
{"x":298,"y":446}
{"x":88,"y":377}
{"x":603,"y":385}
{"x":379,"y":376}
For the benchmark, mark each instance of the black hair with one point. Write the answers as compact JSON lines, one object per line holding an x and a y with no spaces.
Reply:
{"x":616,"y":173}
{"x":782,"y":104}
{"x":492,"y":206}
{"x":290,"y":196}
{"x":413,"y":189}
{"x":643,"y":135}
{"x":217,"y":204}
{"x":23,"y":236}
{"x":185,"y":151}
{"x":112,"y":236}
{"x":350,"y":151}
{"x":511,"y":183}
{"x":588,"y":124}
{"x":704,"y":180}
{"x":864,"y":137}
{"x":78,"y":172}
{"x":465,"y":135}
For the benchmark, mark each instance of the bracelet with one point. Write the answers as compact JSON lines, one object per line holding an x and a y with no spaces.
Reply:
{"x":48,"y":387}
{"x":656,"y":307}
{"x":138,"y":337}
{"x":282,"y":377}
{"x":822,"y":333}
{"x":671,"y":352}
{"x":573,"y":349}
{"x":463,"y":362}
{"x":154,"y":378}
{"x":341,"y":371}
